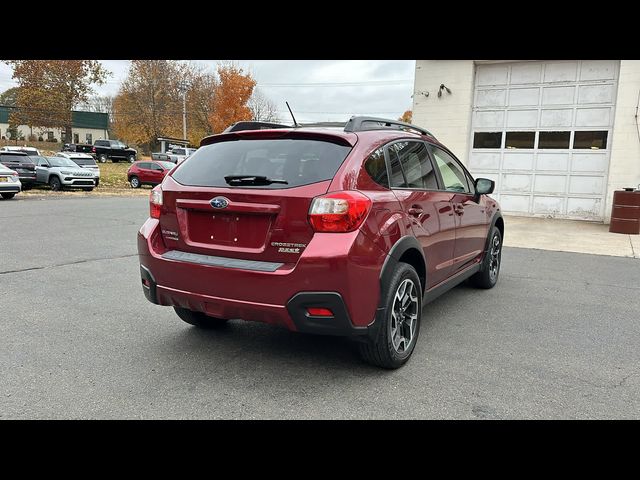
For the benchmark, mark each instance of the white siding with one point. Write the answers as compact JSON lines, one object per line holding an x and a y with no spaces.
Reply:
{"x":447,"y":117}
{"x":624,"y":169}
{"x":38,"y":131}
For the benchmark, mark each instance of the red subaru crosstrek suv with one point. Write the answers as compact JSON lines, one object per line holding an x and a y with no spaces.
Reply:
{"x":345,"y":231}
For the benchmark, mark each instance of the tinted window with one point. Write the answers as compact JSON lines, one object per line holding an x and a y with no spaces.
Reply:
{"x":487,"y":140}
{"x":452,"y":173}
{"x":377,"y":168}
{"x":15,"y":158}
{"x":397,"y":177}
{"x":416,"y":165}
{"x":591,"y":140}
{"x":61,"y":162}
{"x":155,"y":167}
{"x":297,"y":161}
{"x":84,"y":161}
{"x":554,"y":139}
{"x":144,"y":165}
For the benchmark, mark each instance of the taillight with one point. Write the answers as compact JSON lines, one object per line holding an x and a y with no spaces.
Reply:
{"x":93,"y":149}
{"x":339,"y":211}
{"x":155,"y":202}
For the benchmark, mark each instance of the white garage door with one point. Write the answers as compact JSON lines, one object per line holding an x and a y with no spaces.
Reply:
{"x":542,"y":131}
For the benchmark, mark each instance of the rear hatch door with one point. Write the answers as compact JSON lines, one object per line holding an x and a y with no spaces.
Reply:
{"x":248,"y":196}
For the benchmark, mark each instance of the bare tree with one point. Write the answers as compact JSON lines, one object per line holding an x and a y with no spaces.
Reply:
{"x":99,"y":103}
{"x":262,"y":108}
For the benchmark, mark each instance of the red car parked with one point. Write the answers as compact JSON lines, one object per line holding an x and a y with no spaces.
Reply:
{"x":148,"y":172}
{"x":338,"y":232}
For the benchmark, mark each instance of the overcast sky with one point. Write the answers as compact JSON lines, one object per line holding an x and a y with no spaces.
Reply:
{"x":317,"y":90}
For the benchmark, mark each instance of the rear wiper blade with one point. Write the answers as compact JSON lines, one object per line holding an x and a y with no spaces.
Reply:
{"x":252,"y":180}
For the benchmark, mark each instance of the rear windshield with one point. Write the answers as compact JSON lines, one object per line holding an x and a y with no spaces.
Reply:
{"x":15,"y":158}
{"x":84,"y":161}
{"x":296,"y":161}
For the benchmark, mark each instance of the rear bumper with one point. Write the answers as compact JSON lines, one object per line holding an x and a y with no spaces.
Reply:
{"x":10,"y":187}
{"x":27,"y":178}
{"x":279,"y":297}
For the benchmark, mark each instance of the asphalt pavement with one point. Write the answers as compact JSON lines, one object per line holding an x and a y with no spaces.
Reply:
{"x":557,"y":338}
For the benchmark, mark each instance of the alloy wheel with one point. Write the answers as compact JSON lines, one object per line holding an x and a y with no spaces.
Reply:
{"x":404,"y":316}
{"x":494,"y":258}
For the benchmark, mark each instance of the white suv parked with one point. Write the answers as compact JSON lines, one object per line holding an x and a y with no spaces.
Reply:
{"x":59,"y":173}
{"x":83,"y":160}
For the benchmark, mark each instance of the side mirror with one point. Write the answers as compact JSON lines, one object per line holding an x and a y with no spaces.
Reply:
{"x":484,"y":186}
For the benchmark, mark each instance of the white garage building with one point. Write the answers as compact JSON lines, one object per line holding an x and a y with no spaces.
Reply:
{"x":558,"y":137}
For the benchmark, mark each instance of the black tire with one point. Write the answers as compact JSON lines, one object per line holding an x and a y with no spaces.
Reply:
{"x":55,"y":184}
{"x":132,"y":158}
{"x":8,"y":196}
{"x":102,"y":158}
{"x":489,"y":272}
{"x":88,"y":189}
{"x":199,"y":319}
{"x":381,"y":351}
{"x":135,"y":182}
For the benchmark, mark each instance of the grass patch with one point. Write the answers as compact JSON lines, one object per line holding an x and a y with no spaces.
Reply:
{"x":114,"y":175}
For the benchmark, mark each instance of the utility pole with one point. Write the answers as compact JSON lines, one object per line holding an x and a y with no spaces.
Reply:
{"x":184,"y":86}
{"x":184,"y":114}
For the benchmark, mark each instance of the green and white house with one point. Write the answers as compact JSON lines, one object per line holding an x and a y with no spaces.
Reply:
{"x":87,"y":127}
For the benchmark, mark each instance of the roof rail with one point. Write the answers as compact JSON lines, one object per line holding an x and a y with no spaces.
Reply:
{"x":239,"y":126}
{"x":323,"y":124}
{"x":359,"y":124}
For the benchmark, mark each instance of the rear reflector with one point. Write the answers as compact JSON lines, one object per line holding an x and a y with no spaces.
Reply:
{"x":319,"y":312}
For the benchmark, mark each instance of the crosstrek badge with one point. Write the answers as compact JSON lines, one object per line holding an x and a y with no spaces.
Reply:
{"x":288,"y":247}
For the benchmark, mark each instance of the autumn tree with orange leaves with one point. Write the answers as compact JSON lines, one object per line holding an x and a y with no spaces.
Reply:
{"x":406,"y":117}
{"x":149,"y":104}
{"x":230,"y":100}
{"x":48,"y":90}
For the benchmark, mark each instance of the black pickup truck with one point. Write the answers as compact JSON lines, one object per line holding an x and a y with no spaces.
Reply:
{"x":103,"y":150}
{"x":22,"y":164}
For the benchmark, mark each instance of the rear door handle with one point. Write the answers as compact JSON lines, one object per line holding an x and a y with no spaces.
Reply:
{"x":416,"y":211}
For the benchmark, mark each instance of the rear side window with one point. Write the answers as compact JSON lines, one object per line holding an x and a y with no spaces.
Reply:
{"x":296,"y":161}
{"x":15,"y":158}
{"x":377,"y":168}
{"x":417,"y":167}
{"x":84,"y":161}
{"x":452,"y":174}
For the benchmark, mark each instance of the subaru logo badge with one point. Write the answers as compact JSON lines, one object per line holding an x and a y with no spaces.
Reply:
{"x":219,"y":202}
